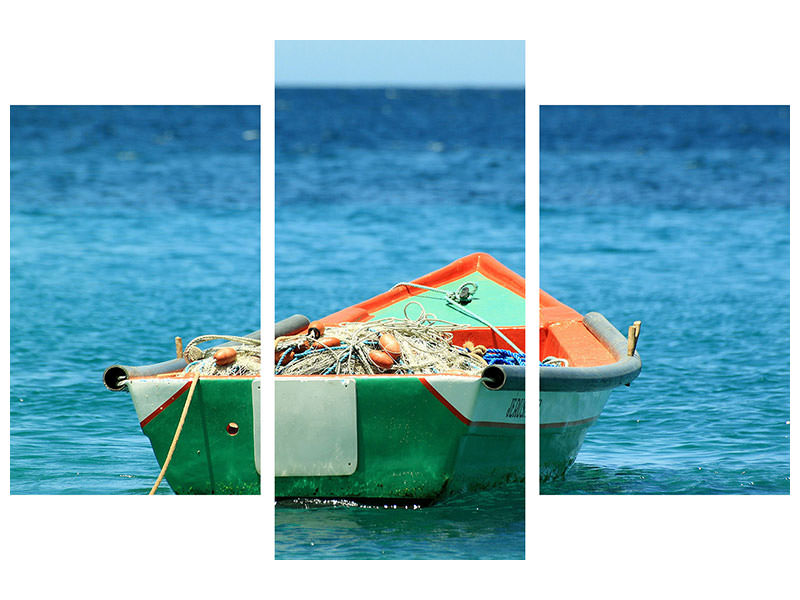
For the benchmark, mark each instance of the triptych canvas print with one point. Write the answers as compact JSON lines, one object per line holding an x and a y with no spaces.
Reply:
{"x":388,"y":419}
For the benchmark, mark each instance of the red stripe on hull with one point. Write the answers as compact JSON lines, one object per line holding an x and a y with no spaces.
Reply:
{"x":497,"y":424}
{"x":441,"y":399}
{"x":169,"y":401}
{"x":461,"y":417}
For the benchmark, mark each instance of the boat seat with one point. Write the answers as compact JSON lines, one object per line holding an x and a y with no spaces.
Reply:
{"x":486,"y":337}
{"x":571,"y":340}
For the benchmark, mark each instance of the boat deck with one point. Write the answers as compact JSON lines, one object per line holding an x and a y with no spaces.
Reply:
{"x":499,"y":298}
{"x":563,"y":334}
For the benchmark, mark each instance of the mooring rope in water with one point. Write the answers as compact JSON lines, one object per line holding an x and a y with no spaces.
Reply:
{"x":195,"y":377}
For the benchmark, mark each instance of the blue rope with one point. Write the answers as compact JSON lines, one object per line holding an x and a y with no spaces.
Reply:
{"x":186,"y":369}
{"x":498,"y":356}
{"x":280,"y":360}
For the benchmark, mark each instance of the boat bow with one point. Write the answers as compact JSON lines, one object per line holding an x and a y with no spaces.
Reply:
{"x":602,"y":377}
{"x":582,"y":359}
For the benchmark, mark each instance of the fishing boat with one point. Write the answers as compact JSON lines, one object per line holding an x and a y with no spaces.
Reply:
{"x":201,"y":412}
{"x":390,"y":432}
{"x":582,"y":358}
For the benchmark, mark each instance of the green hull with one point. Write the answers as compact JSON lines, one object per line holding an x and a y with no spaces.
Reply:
{"x":411,"y":445}
{"x":402,"y":436}
{"x":209,"y":458}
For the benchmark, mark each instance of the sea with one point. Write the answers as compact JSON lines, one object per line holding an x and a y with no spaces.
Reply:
{"x":130,"y":225}
{"x":373,"y":187}
{"x":677,"y":216}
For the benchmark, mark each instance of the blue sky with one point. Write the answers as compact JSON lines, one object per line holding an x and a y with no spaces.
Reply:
{"x":422,"y":63}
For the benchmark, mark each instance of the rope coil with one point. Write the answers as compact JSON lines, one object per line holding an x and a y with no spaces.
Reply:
{"x":425,"y":347}
{"x":460,"y":297}
{"x":247,"y":362}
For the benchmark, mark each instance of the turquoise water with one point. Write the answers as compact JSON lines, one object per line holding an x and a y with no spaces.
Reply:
{"x":129,"y":226}
{"x":678,"y":217}
{"x":486,"y":524}
{"x":379,"y":186}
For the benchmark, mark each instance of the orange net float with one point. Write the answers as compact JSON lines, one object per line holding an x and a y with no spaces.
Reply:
{"x":381,"y":359}
{"x":225,"y":356}
{"x":390,"y":345}
{"x":287,"y":357}
{"x":326,"y":342}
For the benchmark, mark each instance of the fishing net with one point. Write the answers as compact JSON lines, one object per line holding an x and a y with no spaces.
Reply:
{"x":241,"y":356}
{"x":425,"y":346}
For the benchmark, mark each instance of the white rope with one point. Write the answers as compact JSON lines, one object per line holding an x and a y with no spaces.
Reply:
{"x":457,"y":299}
{"x":461,"y":295}
{"x":554,"y":361}
{"x":484,"y":321}
{"x":192,"y":353}
{"x":247,"y":362}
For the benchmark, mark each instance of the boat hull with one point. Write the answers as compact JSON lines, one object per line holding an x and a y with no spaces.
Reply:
{"x":564,"y":419}
{"x":219,"y":445}
{"x":396,"y":437}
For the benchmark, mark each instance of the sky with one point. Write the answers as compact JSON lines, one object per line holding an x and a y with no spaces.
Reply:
{"x":420,"y":63}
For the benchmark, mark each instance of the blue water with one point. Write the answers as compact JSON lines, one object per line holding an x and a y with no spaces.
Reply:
{"x":379,"y":186}
{"x":129,"y":226}
{"x":678,"y":217}
{"x":483,"y":525}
